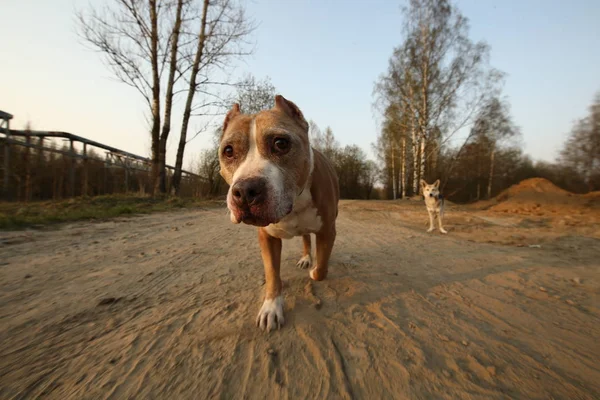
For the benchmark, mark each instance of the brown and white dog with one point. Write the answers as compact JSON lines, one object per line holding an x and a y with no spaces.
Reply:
{"x":434,"y":203}
{"x":279,"y":183}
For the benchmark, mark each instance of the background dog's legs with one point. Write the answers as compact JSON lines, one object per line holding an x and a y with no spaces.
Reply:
{"x":431,"y":228}
{"x":325,"y":241}
{"x":306,"y":260}
{"x":270,"y":315}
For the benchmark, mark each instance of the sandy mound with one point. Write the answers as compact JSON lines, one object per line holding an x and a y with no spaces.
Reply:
{"x":530,"y":188}
{"x":539,"y":196}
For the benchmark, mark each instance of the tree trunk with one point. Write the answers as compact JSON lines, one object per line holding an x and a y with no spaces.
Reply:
{"x":190,"y":98}
{"x":434,"y":155}
{"x":422,"y":159}
{"x":415,"y":150}
{"x":403,"y":167}
{"x":162,"y":163}
{"x":491,"y":177}
{"x":394,"y":188}
{"x":166,"y":129}
{"x":155,"y":131}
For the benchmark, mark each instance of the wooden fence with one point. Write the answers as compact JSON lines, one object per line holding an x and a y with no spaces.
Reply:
{"x":36,"y":167}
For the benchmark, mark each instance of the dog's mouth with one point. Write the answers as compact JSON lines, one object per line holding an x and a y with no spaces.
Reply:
{"x":256,"y":216}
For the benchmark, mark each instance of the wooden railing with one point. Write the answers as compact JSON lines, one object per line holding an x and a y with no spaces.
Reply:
{"x":39,"y":140}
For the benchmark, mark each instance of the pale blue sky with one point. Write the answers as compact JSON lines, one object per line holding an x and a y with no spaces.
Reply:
{"x":324,"y":55}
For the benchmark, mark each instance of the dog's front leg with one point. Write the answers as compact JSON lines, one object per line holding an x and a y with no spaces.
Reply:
{"x":442,"y":230}
{"x":431,"y":228}
{"x":270,"y":315}
{"x":325,"y":241}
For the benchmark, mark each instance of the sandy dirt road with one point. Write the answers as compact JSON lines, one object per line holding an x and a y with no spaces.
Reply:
{"x":163,"y":306}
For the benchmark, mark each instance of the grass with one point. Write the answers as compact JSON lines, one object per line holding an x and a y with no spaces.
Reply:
{"x":22,"y":215}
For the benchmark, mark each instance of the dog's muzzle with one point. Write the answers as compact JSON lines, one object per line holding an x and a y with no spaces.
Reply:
{"x":249,"y":192}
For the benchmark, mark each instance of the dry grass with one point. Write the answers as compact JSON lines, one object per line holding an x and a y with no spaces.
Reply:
{"x":42,"y":213}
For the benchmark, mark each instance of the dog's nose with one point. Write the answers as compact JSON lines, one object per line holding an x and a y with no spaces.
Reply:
{"x":430,"y":194}
{"x":249,"y":191}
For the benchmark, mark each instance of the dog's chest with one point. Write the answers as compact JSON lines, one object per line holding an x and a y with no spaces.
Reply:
{"x":303,"y":219}
{"x":432,"y":204}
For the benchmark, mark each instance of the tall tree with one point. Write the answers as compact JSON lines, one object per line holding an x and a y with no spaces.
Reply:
{"x":221,"y":34}
{"x":193,"y":40}
{"x":330,"y":144}
{"x":437,"y":73}
{"x":581,"y":151}
{"x":494,"y":126}
{"x":133,"y":38}
{"x":254,"y":95}
{"x":173,"y":65}
{"x":370,"y":177}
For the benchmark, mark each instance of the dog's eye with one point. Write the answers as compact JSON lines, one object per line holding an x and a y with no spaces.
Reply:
{"x":228,"y":151}
{"x":281,"y":145}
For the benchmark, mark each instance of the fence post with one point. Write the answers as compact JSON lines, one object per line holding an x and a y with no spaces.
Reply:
{"x":105,"y":169}
{"x":6,"y":176}
{"x":40,"y":159}
{"x":27,"y":169}
{"x":84,"y":191}
{"x":72,"y":170}
{"x":126,"y":176}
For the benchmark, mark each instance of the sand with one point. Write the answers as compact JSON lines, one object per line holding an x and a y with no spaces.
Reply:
{"x":506,"y":306}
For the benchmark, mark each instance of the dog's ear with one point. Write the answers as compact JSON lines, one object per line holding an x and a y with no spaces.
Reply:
{"x":234,"y":112}
{"x":423,"y":183}
{"x":436,"y":183}
{"x":291,"y":109}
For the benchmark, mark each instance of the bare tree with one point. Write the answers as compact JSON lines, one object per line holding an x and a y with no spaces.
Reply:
{"x":330,"y":144}
{"x":581,"y":151}
{"x":438,"y":74}
{"x":254,"y":95}
{"x":191,"y":39}
{"x":315,"y":134}
{"x":221,"y":37}
{"x":370,"y":177}
{"x":495,"y":126}
{"x":173,"y":66}
{"x":133,"y":37}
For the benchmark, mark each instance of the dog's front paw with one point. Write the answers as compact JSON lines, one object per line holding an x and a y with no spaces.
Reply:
{"x":317,"y":274}
{"x":443,"y":230}
{"x":270,"y":315}
{"x":430,"y":230}
{"x":304,"y":262}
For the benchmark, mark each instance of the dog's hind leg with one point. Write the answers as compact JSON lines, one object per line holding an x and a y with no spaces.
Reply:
{"x":325,"y":241}
{"x":306,"y":260}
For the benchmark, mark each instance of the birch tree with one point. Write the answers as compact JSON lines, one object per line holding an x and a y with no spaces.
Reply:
{"x":438,"y":74}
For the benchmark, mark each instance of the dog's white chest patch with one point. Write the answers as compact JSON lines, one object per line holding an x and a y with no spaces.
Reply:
{"x":303,"y":219}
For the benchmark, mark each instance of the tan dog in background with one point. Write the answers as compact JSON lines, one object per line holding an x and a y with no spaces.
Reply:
{"x":434,"y":203}
{"x":279,"y":183}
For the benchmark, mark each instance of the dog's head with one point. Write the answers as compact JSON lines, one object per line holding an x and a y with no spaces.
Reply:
{"x":266,"y":159}
{"x":431,"y":190}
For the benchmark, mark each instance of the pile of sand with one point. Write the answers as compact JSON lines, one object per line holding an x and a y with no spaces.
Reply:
{"x":530,"y":188}
{"x":539,"y":196}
